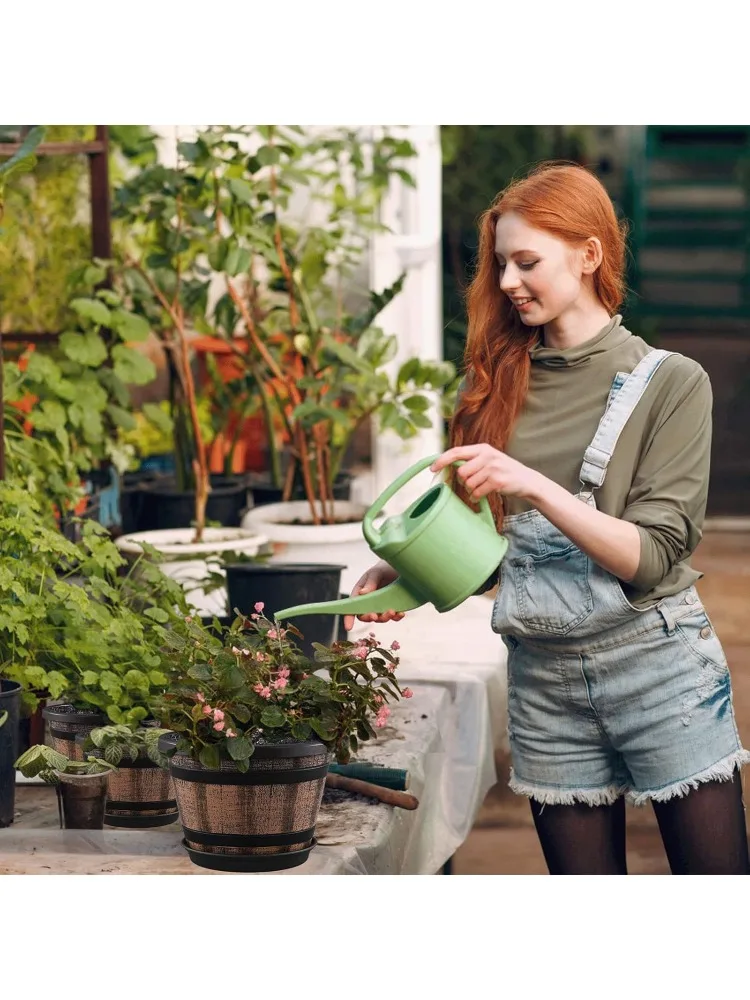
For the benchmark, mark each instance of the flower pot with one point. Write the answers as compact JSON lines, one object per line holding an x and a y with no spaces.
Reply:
{"x":188,"y":562}
{"x":262,"y":820}
{"x":285,"y":585}
{"x":10,"y":702}
{"x":66,"y":722}
{"x":139,"y":794}
{"x":295,"y":539}
{"x":264,"y":492}
{"x":162,"y":506}
{"x":82,"y":797}
{"x":133,"y":489}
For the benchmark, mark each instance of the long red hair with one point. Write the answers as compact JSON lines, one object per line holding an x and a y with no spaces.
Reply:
{"x":568,"y":202}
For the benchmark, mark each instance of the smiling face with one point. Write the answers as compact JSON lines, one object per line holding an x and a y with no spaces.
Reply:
{"x":546,"y":279}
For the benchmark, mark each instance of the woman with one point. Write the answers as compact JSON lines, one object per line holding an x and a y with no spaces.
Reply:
{"x":593,"y":450}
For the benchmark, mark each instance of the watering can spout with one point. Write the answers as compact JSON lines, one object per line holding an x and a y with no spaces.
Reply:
{"x":395,"y":597}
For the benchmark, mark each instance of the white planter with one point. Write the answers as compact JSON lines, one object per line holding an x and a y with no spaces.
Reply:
{"x":342,"y":544}
{"x":176,"y":545}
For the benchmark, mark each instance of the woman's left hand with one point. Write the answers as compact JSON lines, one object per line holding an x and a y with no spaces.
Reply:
{"x":488,"y":470}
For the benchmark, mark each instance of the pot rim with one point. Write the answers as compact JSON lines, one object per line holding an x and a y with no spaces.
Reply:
{"x":9,"y":688}
{"x":175,"y":541}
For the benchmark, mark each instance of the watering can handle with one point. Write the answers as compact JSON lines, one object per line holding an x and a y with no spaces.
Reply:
{"x":371,"y":533}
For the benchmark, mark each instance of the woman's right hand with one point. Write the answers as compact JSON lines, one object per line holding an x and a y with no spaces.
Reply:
{"x":376,"y":577}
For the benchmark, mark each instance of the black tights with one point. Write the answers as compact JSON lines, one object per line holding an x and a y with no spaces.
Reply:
{"x":703,"y":833}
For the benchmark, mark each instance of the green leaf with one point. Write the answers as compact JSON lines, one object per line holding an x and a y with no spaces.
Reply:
{"x":24,"y":158}
{"x":420,"y":420}
{"x":241,"y":190}
{"x":267,"y":155}
{"x":200,"y":672}
{"x":86,"y":348}
{"x":130,"y":326}
{"x":209,"y":756}
{"x":157,"y":614}
{"x":136,"y":681}
{"x":239,"y":748}
{"x":157,"y":678}
{"x":158,"y":417}
{"x":94,"y":274}
{"x":56,"y":683}
{"x":122,"y":418}
{"x":321,"y":729}
{"x":237,"y":261}
{"x":90,"y":677}
{"x":36,"y":677}
{"x":92,"y":309}
{"x":113,"y":754}
{"x":416,"y":404}
{"x":346,"y":355}
{"x":132,"y":367}
{"x":272,"y":717}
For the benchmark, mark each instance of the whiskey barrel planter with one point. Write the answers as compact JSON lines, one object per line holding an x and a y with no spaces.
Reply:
{"x":258,"y":821}
{"x":66,"y":722}
{"x":139,"y":794}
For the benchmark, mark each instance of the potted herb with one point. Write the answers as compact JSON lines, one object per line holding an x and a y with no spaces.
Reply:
{"x":81,"y":784}
{"x":140,"y":790}
{"x":321,"y":362}
{"x":254,"y":728}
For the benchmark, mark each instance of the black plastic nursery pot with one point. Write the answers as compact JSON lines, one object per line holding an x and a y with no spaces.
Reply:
{"x":161,"y":505}
{"x":264,"y":492}
{"x":66,"y":722}
{"x":261,"y":820}
{"x":10,"y":703}
{"x":285,"y":585}
{"x":140,"y":794}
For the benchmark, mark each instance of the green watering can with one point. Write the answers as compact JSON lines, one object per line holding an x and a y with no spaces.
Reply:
{"x":442,"y":551}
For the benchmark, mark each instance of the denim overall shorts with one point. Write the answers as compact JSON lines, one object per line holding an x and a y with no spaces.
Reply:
{"x":605,"y":699}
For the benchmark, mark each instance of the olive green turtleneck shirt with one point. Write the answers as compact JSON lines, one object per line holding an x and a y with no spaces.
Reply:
{"x":658,"y":476}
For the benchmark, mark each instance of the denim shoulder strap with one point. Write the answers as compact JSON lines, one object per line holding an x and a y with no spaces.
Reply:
{"x":601,"y":449}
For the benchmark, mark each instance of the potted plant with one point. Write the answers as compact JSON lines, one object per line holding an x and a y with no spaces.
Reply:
{"x":140,"y":792}
{"x":320,"y":361}
{"x":75,"y":628}
{"x":253,"y":730}
{"x":168,"y":216}
{"x":81,"y":784}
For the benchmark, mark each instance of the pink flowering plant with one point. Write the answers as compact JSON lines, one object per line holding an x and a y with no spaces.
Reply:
{"x":230,"y":687}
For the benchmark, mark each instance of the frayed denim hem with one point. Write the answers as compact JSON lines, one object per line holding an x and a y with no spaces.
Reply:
{"x":604,"y":796}
{"x":722,"y":770}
